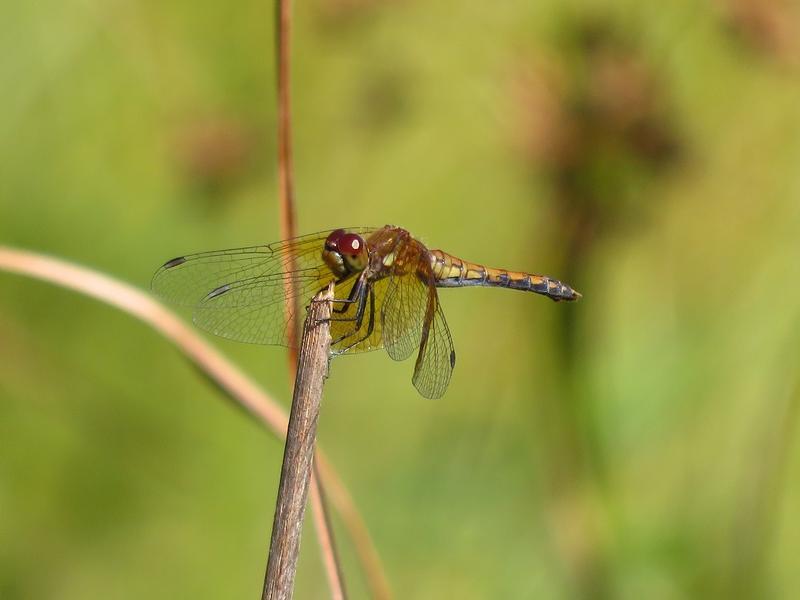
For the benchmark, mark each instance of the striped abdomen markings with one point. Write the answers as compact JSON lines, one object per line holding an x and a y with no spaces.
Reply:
{"x":451,"y":271}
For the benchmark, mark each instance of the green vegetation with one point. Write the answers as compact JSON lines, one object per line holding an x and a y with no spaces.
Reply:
{"x":641,"y":443}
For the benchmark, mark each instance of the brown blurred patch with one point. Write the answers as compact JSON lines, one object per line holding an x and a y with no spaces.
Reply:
{"x":214,"y":152}
{"x":772,"y":27}
{"x":547,"y":132}
{"x":593,"y":113}
{"x":594,"y":118}
{"x":625,"y":99}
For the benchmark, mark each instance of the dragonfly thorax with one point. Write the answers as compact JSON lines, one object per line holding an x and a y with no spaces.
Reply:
{"x":345,"y":253}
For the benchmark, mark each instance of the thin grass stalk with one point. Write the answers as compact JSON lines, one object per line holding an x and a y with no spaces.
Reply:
{"x":286,"y":169}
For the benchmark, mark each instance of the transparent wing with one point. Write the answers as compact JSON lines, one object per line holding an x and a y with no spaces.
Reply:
{"x":403,"y":315}
{"x":412,"y":319}
{"x":187,"y":280}
{"x":241,"y":293}
{"x":436,"y":357}
{"x":255,"y":311}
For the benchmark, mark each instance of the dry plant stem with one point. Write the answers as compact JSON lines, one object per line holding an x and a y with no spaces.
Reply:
{"x":289,"y":230}
{"x":298,"y":455}
{"x":285,"y":168}
{"x":235,"y":384}
{"x":283,"y":22}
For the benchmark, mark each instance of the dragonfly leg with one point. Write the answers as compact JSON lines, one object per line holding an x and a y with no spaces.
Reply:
{"x":344,"y":302}
{"x":354,"y":297}
{"x":355,"y":293}
{"x":344,"y":309}
{"x":370,"y":324}
{"x":358,"y":318}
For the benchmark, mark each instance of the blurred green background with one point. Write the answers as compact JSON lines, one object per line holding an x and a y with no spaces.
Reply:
{"x":641,"y":443}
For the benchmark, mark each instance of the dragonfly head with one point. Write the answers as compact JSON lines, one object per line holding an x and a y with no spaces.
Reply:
{"x":345,"y":252}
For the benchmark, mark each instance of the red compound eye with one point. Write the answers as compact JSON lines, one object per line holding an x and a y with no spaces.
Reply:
{"x":350,"y":243}
{"x":332,"y":242}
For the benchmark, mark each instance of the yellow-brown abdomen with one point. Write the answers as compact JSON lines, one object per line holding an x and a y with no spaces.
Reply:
{"x":451,"y":271}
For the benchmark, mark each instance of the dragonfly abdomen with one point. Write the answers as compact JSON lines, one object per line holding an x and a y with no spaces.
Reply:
{"x":451,"y":271}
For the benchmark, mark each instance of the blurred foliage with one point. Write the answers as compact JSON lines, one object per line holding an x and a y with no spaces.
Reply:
{"x":639,"y":444}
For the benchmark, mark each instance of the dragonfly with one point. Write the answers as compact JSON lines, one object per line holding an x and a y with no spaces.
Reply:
{"x":385,"y":293}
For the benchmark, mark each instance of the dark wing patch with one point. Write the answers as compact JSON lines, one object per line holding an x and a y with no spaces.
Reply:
{"x":217,"y":292}
{"x":174,"y":262}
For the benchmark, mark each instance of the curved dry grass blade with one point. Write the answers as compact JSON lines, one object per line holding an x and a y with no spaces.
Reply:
{"x":219,"y":369}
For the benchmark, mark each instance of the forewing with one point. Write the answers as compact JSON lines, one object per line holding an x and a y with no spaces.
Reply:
{"x":187,"y":280}
{"x":240,"y":293}
{"x":412,"y":320}
{"x":255,"y":310}
{"x":436,"y":357}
